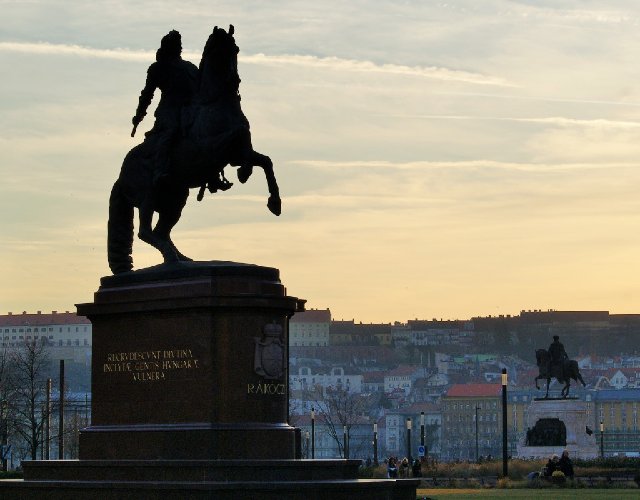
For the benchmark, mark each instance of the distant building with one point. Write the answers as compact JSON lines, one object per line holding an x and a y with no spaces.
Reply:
{"x":401,"y":378}
{"x":373,"y":382}
{"x":310,"y":328}
{"x":438,"y":333}
{"x":308,"y":378}
{"x":67,"y":334}
{"x":618,"y":412}
{"x":359,"y":334}
{"x":459,"y":421}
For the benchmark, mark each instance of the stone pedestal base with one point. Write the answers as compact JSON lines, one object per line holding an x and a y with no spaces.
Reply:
{"x":202,"y":479}
{"x":573,"y":413}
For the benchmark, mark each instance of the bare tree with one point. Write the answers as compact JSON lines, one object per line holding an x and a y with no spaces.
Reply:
{"x":339,"y":408}
{"x":28,"y":370}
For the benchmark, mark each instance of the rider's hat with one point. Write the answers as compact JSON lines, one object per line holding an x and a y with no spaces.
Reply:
{"x":555,"y":337}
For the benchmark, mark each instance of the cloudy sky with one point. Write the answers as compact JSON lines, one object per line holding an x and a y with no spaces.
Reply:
{"x":435,"y":159}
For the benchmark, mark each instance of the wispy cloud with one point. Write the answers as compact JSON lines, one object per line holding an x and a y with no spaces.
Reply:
{"x":339,"y":64}
{"x":324,"y":63}
{"x":471,"y":164}
{"x":46,"y":48}
{"x":559,"y":121}
{"x":543,"y":98}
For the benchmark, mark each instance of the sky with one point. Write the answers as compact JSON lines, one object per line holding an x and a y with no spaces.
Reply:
{"x":435,"y":159}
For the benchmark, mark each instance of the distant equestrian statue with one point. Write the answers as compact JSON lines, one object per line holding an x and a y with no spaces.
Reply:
{"x":554,"y":363}
{"x":200,"y":129}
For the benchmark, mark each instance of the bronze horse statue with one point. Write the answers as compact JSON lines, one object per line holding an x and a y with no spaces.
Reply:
{"x":569,"y":370}
{"x":216,"y":134}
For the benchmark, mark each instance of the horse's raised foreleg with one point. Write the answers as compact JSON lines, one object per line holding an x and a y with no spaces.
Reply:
{"x":274,"y":203}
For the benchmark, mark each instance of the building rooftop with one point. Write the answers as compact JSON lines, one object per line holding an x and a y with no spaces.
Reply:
{"x":41,"y":319}
{"x":312,"y":316}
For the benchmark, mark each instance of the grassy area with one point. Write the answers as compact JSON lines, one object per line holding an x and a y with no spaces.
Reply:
{"x":551,"y":493}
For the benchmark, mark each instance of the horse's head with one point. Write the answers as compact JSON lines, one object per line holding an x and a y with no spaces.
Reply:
{"x":542,"y":357}
{"x":219,"y":66}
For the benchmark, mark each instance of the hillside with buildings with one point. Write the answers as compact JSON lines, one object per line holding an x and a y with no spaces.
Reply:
{"x":443,"y":374}
{"x":449,"y":370}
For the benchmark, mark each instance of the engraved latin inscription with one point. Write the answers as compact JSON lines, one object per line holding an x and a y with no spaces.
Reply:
{"x":148,"y":366}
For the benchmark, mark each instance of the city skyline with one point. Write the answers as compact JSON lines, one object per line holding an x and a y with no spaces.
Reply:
{"x":450,"y":160}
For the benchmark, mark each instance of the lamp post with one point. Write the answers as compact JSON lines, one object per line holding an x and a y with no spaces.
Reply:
{"x":47,"y":434}
{"x":313,"y":433}
{"x":421,"y":428}
{"x":375,"y":444}
{"x":477,"y":450}
{"x":345,"y":441}
{"x":601,"y":439}
{"x":505,"y":470}
{"x":409,"y":439}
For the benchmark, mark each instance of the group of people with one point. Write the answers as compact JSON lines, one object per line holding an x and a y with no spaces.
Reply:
{"x":401,"y":469}
{"x":562,"y":464}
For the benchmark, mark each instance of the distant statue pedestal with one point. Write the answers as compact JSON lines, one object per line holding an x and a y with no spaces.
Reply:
{"x":555,"y":425}
{"x":190,"y":396}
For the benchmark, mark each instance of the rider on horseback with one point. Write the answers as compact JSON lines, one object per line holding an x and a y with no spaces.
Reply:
{"x":558,"y":356}
{"x":177,"y":79}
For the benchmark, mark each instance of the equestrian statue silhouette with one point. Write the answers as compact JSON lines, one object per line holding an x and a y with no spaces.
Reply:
{"x":199,"y":130}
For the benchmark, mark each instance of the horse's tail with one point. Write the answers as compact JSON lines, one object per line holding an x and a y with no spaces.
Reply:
{"x":573,"y":370}
{"x":120,"y":231}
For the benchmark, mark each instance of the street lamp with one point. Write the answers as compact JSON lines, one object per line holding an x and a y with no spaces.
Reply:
{"x":345,"y":438}
{"x":505,"y":470}
{"x":313,"y":433}
{"x":477,"y":453}
{"x":421,"y":428}
{"x":601,"y":439}
{"x":375,"y":444}
{"x":409,"y":439}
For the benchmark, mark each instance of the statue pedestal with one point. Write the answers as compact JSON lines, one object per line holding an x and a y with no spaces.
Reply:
{"x":190,"y":363}
{"x":573,"y":414}
{"x":190,"y":396}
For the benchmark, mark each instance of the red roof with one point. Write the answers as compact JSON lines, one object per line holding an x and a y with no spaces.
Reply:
{"x":312,"y":316}
{"x":474,"y":390}
{"x":418,"y":407}
{"x":402,"y":371}
{"x":39,"y":319}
